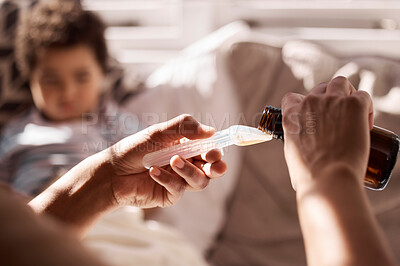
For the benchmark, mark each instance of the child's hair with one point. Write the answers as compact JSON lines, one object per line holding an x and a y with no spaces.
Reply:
{"x":58,"y":23}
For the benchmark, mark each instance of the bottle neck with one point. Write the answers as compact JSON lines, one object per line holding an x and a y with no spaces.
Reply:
{"x":271,"y":122}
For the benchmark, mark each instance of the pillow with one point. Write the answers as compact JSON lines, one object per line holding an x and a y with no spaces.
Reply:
{"x":261,"y":226}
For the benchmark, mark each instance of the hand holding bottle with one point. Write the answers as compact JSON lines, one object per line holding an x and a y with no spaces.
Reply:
{"x":327,"y":141}
{"x":328,"y":129}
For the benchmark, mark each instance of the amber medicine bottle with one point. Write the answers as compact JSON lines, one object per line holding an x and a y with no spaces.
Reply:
{"x":383,"y":152}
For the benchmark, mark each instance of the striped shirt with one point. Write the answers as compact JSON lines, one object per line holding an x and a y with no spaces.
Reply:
{"x":34,"y":152}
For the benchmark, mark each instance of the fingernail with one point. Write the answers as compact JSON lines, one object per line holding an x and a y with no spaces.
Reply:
{"x":155,"y":171}
{"x":203,"y":128}
{"x":179,"y":162}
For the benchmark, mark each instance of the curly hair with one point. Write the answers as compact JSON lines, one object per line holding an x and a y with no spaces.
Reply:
{"x":58,"y":23}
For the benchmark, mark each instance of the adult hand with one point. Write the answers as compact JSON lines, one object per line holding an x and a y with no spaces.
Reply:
{"x":328,"y":129}
{"x":116,"y":176}
{"x":132,"y":184}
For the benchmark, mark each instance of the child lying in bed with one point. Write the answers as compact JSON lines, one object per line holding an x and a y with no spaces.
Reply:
{"x":62,"y":50}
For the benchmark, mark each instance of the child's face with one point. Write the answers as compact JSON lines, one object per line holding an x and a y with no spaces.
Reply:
{"x":66,"y":82}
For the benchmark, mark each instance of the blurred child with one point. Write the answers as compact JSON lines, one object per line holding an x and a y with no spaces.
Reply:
{"x":62,"y":51}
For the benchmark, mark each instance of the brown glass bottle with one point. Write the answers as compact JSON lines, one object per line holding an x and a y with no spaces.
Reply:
{"x":383,"y":152}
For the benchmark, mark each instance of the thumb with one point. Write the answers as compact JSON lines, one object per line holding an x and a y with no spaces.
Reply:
{"x":179,"y":127}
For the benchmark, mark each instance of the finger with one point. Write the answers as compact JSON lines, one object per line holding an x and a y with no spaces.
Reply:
{"x":366,"y":98}
{"x":340,"y":86}
{"x":320,"y":88}
{"x":212,"y":170}
{"x":212,"y":156}
{"x":194,"y":177}
{"x":290,"y":100}
{"x":180,"y":127}
{"x":174,"y":184}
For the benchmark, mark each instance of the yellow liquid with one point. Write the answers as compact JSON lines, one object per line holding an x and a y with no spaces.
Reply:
{"x":255,"y":139}
{"x":248,"y":143}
